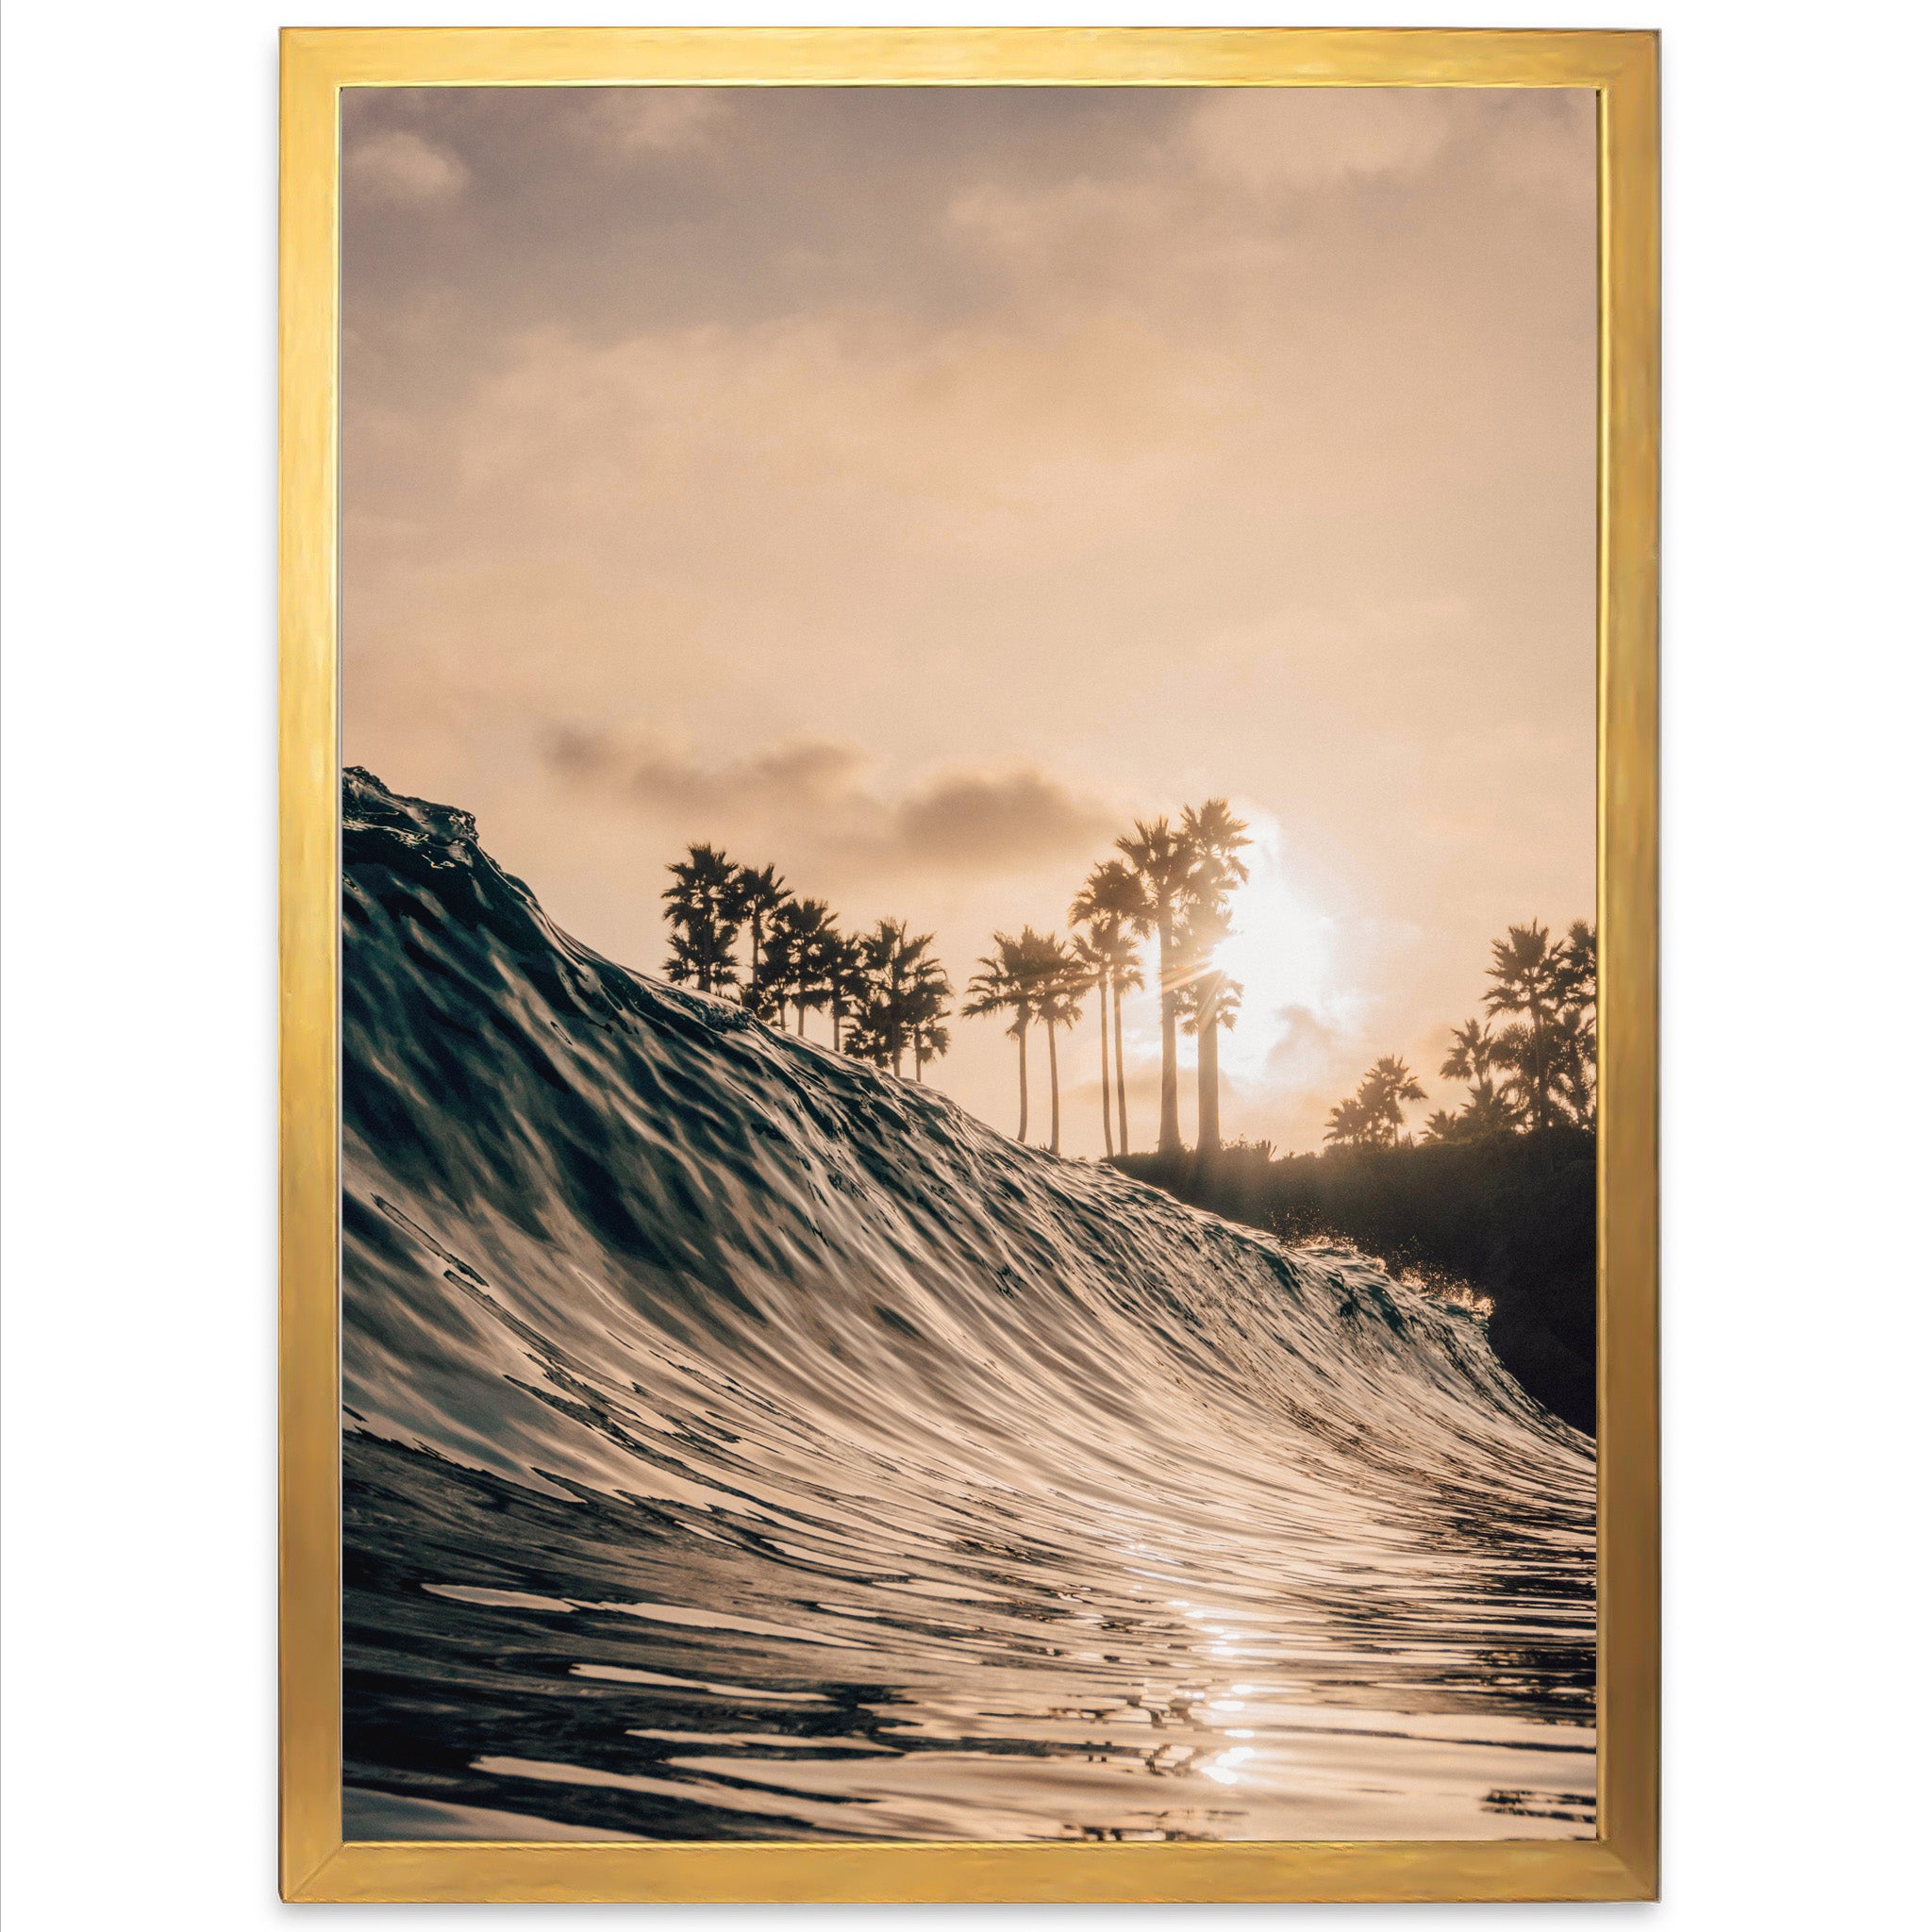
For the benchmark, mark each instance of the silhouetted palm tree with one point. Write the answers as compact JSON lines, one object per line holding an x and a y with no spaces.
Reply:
{"x":1126,"y":976}
{"x":826,"y":958}
{"x":1373,"y":1117}
{"x":1577,"y":1046}
{"x":844,"y":979}
{"x":903,"y":988}
{"x":1349,"y":1125}
{"x":759,"y":895}
{"x":1576,"y":966}
{"x":1058,"y":983}
{"x":1217,"y":839}
{"x":1472,"y":1054}
{"x":1527,"y":979}
{"x":1488,"y":1114}
{"x":921,"y":997}
{"x":1210,"y":1004}
{"x":798,"y":951}
{"x":1007,"y":982}
{"x":705,"y":919}
{"x":1163,"y":861}
{"x":1110,"y":905}
{"x":1482,"y":1117}
{"x":1571,"y":1044}
{"x":930,"y":1041}
{"x":1092,"y":959}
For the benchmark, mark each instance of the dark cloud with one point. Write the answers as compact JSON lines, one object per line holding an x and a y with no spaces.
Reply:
{"x":956,"y":821}
{"x":973,"y":820}
{"x":789,"y":777}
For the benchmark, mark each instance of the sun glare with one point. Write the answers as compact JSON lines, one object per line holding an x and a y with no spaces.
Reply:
{"x":1279,"y":951}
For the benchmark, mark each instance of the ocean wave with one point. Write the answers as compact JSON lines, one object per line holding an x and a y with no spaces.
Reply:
{"x":740,"y":1441}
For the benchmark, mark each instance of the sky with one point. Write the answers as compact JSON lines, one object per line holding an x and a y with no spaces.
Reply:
{"x":912,"y":486}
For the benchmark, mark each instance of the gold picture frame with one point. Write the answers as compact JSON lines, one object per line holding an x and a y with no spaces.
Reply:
{"x":1620,"y":1862}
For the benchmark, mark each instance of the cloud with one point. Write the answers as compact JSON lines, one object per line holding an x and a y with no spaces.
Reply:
{"x":1265,"y":139}
{"x":655,"y":120}
{"x":1308,"y":1048}
{"x":1270,"y":139}
{"x":792,"y":777}
{"x":981,"y":822}
{"x":961,"y":822}
{"x":405,"y":169}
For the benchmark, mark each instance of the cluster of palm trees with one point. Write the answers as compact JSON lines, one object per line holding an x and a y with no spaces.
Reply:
{"x":1172,"y":884}
{"x":735,"y":928}
{"x":740,"y":929}
{"x":1535,"y":1072}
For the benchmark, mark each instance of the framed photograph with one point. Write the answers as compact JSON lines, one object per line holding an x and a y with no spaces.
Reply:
{"x":969,"y":936}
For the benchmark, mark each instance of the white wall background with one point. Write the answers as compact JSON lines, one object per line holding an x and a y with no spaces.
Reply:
{"x":140,"y":207}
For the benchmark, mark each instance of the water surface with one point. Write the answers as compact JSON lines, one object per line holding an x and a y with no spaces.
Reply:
{"x":742,"y":1443}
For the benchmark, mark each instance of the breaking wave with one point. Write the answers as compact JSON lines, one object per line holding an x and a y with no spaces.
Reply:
{"x":741,"y":1442}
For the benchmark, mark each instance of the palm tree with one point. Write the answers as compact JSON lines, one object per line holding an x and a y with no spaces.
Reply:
{"x":1527,"y":978}
{"x":1387,"y":1088}
{"x":1576,"y":965}
{"x":759,"y":895}
{"x":1124,"y":976}
{"x":930,"y":1041}
{"x":1482,"y":1117}
{"x":797,"y":955}
{"x":1210,"y":1002}
{"x":1058,"y":981}
{"x":1577,"y":1021}
{"x":1110,"y":905}
{"x":1573,"y":1064}
{"x":1092,"y":961}
{"x":821,"y":950}
{"x":920,"y":994}
{"x":843,"y":967}
{"x":1217,"y":839}
{"x":1472,"y":1054}
{"x":1164,"y":863}
{"x":904,"y":988}
{"x":1007,"y":982}
{"x":704,"y":915}
{"x":1490,"y":1113}
{"x":1348,"y":1124}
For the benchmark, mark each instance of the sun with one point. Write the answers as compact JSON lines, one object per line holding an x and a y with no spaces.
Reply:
{"x":1280,"y":950}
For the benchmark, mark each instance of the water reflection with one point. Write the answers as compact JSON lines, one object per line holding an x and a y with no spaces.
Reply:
{"x":554,"y":1659}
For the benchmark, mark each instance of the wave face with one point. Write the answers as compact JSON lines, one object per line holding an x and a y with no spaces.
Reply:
{"x":743,"y":1443}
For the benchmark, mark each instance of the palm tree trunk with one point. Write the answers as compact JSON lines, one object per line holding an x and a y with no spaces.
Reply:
{"x":1542,"y":1091}
{"x":1022,"y":1080}
{"x":1170,"y":1079}
{"x":1207,"y":1073}
{"x":1120,"y":1068}
{"x":1053,"y":1068}
{"x":1106,"y":1097}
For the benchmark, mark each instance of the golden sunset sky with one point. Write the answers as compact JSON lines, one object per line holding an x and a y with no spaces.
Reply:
{"x":911,"y":486}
